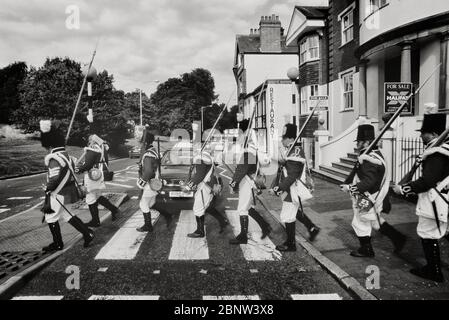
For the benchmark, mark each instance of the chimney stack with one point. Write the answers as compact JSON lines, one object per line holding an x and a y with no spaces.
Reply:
{"x":270,"y":34}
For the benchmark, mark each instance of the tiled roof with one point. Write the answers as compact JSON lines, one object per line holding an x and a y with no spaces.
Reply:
{"x":251,"y":44}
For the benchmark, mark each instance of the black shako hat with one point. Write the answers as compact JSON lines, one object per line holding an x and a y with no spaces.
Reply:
{"x":290,"y":131}
{"x":434,"y":122}
{"x":365,"y":132}
{"x":51,"y":134}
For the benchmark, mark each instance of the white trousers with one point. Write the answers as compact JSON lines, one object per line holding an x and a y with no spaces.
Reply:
{"x":363,"y":224}
{"x":288,"y":212}
{"x":203,"y":198}
{"x":148,"y":199}
{"x":59,"y":211}
{"x":94,"y":189}
{"x":245,"y":196}
{"x":428,"y":229}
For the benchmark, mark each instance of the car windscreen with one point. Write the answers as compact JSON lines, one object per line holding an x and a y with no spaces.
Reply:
{"x":180,"y":157}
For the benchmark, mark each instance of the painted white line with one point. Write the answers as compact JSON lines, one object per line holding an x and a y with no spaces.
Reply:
{"x":257,"y":249}
{"x":255,"y":297}
{"x":102,"y":269}
{"x":135,"y":198}
{"x":132,"y":172}
{"x":331,"y":296}
{"x":183,"y":247}
{"x":3,"y":206}
{"x":157,"y":272}
{"x":38,"y":298}
{"x":203,"y":271}
{"x":108,"y":297}
{"x":126,"y":242}
{"x":20,"y":198}
{"x":4,"y":210}
{"x":23,"y":212}
{"x":253,"y":270}
{"x":119,"y":185}
{"x":232,"y":199}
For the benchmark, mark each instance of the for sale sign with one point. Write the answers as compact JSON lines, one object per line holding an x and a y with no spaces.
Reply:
{"x":396,"y":95}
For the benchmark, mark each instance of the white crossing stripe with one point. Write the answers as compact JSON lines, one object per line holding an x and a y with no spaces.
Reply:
{"x":120,"y":185}
{"x":38,"y":298}
{"x":132,"y":172}
{"x":232,"y":199}
{"x":326,"y":296}
{"x":257,"y":249}
{"x":255,"y":297}
{"x":126,"y":242}
{"x":183,"y":247}
{"x":19,"y":198}
{"x":4,"y":210}
{"x":109,"y":297}
{"x":134,"y":197}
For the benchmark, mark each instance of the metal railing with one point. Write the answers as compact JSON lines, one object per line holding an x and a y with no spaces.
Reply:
{"x":410,"y":148}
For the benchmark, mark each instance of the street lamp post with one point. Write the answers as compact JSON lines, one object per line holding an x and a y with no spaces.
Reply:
{"x":140,"y":103}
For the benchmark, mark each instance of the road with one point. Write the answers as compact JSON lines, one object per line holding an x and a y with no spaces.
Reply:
{"x":124,"y":264}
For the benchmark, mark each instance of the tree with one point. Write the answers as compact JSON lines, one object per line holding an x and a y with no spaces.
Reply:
{"x":51,"y":92}
{"x":10,"y":79}
{"x":178,"y":101}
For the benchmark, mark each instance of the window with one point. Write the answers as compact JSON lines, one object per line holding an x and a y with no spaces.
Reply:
{"x":374,"y":5}
{"x":348,"y":87}
{"x":309,"y":49}
{"x":306,"y":93}
{"x":347,"y":27}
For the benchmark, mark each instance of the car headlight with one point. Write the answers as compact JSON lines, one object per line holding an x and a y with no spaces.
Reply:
{"x":182,"y":182}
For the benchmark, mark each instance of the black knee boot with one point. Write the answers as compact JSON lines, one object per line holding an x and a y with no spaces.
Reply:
{"x":108,"y":205}
{"x":95,"y":221}
{"x":57,"y":238}
{"x":394,"y":235}
{"x":199,"y":232}
{"x":266,"y":229}
{"x":311,"y":227}
{"x":242,"y":238}
{"x":88,"y":234}
{"x":290,"y":244}
{"x":148,"y":226}
{"x":431,"y":271}
{"x":366,"y":249}
{"x":165,"y":214}
{"x":220,"y":218}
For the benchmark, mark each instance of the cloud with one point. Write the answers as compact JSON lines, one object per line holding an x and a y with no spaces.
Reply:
{"x":141,"y":40}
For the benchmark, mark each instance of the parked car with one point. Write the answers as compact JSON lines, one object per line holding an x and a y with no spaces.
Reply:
{"x":175,"y":167}
{"x":134,"y":152}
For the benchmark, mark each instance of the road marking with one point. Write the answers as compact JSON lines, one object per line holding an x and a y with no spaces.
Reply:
{"x":183,"y":247}
{"x":157,"y":272}
{"x":126,"y":242}
{"x":331,"y":296}
{"x":20,"y":198}
{"x":38,"y":298}
{"x":132,"y":172}
{"x":257,"y":249}
{"x":119,"y":185}
{"x":232,"y":199}
{"x":135,"y":198}
{"x":108,"y":297}
{"x":255,"y":297}
{"x":102,"y":269}
{"x":4,"y":210}
{"x":253,"y":270}
{"x":23,"y":212}
{"x":203,"y":271}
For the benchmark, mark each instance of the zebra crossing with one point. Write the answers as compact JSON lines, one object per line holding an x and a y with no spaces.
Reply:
{"x":326,"y":296}
{"x":126,"y":242}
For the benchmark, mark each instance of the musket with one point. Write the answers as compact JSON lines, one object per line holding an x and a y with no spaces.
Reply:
{"x":439,"y":141}
{"x":81,"y":92}
{"x":390,"y":122}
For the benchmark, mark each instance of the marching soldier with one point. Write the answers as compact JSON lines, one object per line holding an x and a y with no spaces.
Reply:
{"x":243,"y":183}
{"x":94,"y":159}
{"x":368,"y":187}
{"x":293,"y":169}
{"x":60,"y":188}
{"x":431,"y":209}
{"x":202,"y":182}
{"x":300,"y":215}
{"x":149,"y":169}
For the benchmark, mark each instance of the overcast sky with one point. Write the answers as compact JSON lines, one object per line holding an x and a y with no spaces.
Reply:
{"x":141,"y":40}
